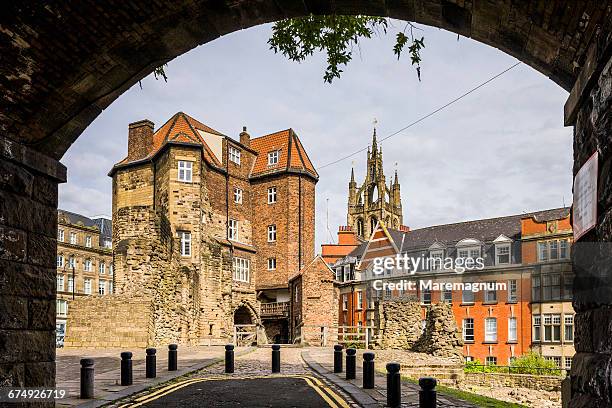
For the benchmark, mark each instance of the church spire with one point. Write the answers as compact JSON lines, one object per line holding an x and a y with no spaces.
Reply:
{"x":374,"y":144}
{"x":353,"y":174}
{"x":395,"y":181}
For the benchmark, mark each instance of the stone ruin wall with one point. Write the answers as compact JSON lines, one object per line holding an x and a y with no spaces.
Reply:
{"x":401,"y":328}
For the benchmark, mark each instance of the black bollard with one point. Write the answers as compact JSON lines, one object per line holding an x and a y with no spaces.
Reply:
{"x":172,"y":357}
{"x":151,"y":363}
{"x":87,"y":378}
{"x":229,"y":358}
{"x":337,"y":358}
{"x":427,"y":394}
{"x":126,"y":368}
{"x":276,"y":358}
{"x":368,"y":370}
{"x":394,"y":385}
{"x":351,"y":361}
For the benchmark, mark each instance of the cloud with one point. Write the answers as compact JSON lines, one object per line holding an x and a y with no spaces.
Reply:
{"x":499,"y":151}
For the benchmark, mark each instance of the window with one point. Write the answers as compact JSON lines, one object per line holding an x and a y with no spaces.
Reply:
{"x":551,"y":286}
{"x":467,"y":296}
{"x":468,"y":359}
{"x":60,"y":235}
{"x":271,"y":233}
{"x":238,"y":195}
{"x":555,"y":359}
{"x":110,"y":287}
{"x":387,"y":292}
{"x":468,"y":329}
{"x":102,"y":268}
{"x":537,"y":327}
{"x":234,"y":155}
{"x":490,"y":295}
{"x":426,"y":297}
{"x":70,"y":284}
{"x":242,"y":268}
{"x":60,"y":261}
{"x":568,"y":363}
{"x":73,"y":238}
{"x":62,"y":307}
{"x":271,"y":264}
{"x":502,"y":254}
{"x":542,"y":251}
{"x":60,"y":283}
{"x":185,"y":237}
{"x":345,"y":302}
{"x":437,"y":260}
{"x":87,"y":286}
{"x":490,"y":330}
{"x":107,"y":243}
{"x":563,"y":249}
{"x":271,"y":195}
{"x":568,"y":288}
{"x":512,"y":291}
{"x":535,"y":288}
{"x":552,"y":327}
{"x":359,"y":299}
{"x":102,"y":287}
{"x":447,"y":296}
{"x":88,"y":241}
{"x":491,"y":360}
{"x":72,"y":262}
{"x":87,"y":265}
{"x":273,"y":158}
{"x":553,"y":250}
{"x":512,"y":336}
{"x":185,"y":171}
{"x":232,"y":230}
{"x":568,"y":321}
{"x":110,"y":269}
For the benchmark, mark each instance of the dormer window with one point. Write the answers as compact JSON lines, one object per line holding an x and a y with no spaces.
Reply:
{"x":273,"y":158}
{"x":436,"y":256}
{"x":502,"y":250}
{"x":469,"y":248}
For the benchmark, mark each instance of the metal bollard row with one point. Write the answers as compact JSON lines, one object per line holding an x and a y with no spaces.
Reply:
{"x":276,"y":358}
{"x":229,"y":358}
{"x":151,"y":363}
{"x":351,"y":363}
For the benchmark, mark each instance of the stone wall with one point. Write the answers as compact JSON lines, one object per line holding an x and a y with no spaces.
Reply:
{"x":534,"y":382}
{"x":126,"y":321}
{"x":400,"y":324}
{"x":401,"y":328}
{"x":28,"y":231}
{"x":441,"y":336}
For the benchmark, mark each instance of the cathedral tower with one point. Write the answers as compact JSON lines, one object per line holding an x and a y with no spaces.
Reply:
{"x":374,"y":200}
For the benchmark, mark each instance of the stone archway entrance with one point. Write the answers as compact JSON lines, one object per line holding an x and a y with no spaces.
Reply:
{"x":245,"y":327}
{"x":62,"y":67}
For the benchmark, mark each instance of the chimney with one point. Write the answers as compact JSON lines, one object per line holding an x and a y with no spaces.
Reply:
{"x":140,"y":139}
{"x":245,"y":138}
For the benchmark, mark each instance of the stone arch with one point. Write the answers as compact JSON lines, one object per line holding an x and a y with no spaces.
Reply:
{"x":56,"y":101}
{"x":360,"y":230}
{"x":245,"y":312}
{"x":50,"y":105}
{"x":373,"y":222}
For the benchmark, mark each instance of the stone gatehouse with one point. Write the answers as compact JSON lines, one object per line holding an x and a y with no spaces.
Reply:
{"x":207,"y":231}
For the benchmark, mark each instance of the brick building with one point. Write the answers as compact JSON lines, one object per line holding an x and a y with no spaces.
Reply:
{"x":208,"y":229}
{"x":84,"y":262}
{"x":529,"y":253}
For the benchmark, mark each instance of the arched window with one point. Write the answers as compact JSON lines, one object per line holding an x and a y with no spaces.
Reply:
{"x":360,"y":227}
{"x":373,"y":222}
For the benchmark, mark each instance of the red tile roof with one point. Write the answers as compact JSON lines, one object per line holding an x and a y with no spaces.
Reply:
{"x":182,"y":128}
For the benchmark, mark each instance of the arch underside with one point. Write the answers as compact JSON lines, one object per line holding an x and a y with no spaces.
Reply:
{"x":61,"y":67}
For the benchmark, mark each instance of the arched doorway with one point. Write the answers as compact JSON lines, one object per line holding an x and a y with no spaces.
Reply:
{"x":242,"y":315}
{"x":49,"y":106}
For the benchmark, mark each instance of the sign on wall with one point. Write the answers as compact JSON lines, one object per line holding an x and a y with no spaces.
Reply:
{"x":585,"y":197}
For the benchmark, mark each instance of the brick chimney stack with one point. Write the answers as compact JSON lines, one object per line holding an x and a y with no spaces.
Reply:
{"x":140,"y":139}
{"x":245,"y":138}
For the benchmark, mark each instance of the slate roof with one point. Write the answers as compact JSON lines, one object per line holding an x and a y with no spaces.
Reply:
{"x":104,"y":224}
{"x":484,"y":230}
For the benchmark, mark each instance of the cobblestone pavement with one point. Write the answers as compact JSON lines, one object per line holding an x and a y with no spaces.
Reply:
{"x":107,"y":369}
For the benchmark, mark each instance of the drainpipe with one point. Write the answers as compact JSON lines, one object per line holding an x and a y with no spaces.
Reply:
{"x":299,"y":221}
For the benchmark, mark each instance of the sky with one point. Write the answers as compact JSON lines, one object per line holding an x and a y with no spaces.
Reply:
{"x":499,"y":151}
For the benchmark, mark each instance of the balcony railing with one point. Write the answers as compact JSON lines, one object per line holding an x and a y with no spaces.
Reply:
{"x":274,"y":309}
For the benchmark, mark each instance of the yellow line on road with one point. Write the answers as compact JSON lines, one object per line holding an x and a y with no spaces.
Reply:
{"x":325,"y":392}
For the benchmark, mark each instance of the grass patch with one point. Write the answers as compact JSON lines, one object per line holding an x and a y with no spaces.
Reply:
{"x":478,"y":400}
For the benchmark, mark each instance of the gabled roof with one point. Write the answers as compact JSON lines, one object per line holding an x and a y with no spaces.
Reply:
{"x":292,"y":155}
{"x":182,"y":128}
